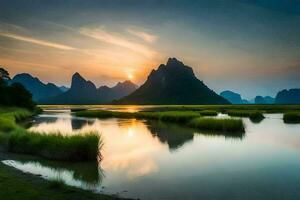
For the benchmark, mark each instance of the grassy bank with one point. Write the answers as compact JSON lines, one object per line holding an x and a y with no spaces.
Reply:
{"x":188,"y":118}
{"x":13,"y":138}
{"x":15,"y":185}
{"x":55,"y":146}
{"x":291,"y":117}
{"x":222,"y":125}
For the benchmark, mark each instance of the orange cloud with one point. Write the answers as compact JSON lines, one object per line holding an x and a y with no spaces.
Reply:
{"x":143,"y":35}
{"x":36,"y":41}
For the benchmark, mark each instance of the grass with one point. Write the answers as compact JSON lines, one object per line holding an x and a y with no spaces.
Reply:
{"x":254,"y":115}
{"x":208,"y":113}
{"x":189,"y":118}
{"x":15,"y":185}
{"x":218,"y":108}
{"x":10,"y":116}
{"x":291,"y":117}
{"x":222,"y":125}
{"x":168,"y":116}
{"x":55,"y":146}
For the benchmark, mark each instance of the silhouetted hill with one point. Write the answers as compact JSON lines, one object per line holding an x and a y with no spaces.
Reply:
{"x":118,"y":91}
{"x":291,"y":96}
{"x":64,"y":88}
{"x":173,"y":83}
{"x":233,"y":97}
{"x":264,"y":100}
{"x":85,"y":92}
{"x":38,"y":89}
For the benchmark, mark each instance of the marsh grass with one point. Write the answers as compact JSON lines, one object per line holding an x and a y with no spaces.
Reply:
{"x":192,"y":119}
{"x":291,"y":117}
{"x":167,"y":116}
{"x":53,"y":146}
{"x":56,"y":146}
{"x":208,"y":113}
{"x":218,"y":125}
{"x":254,"y":115}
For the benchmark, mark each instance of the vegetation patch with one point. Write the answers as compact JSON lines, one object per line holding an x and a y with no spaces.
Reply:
{"x":254,"y":115}
{"x":209,"y":113}
{"x":222,"y":125}
{"x":169,"y":116}
{"x":55,"y":146}
{"x":291,"y":117}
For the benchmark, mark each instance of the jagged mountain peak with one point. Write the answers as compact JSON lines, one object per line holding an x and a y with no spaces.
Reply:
{"x":173,"y":83}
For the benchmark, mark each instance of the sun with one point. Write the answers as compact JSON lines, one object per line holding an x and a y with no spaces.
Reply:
{"x":130,"y":76}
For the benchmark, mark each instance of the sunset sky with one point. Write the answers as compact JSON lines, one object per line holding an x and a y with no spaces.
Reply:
{"x":248,"y":46}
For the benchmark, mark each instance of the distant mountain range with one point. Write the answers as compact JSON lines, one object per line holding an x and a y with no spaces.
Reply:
{"x":291,"y":96}
{"x":264,"y":100}
{"x":233,"y":97}
{"x":38,"y":89}
{"x":85,"y":92}
{"x":173,"y":83}
{"x":81,"y":91}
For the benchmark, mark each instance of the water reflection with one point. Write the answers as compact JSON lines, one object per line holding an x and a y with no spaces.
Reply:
{"x":84,"y":175}
{"x":154,"y":160}
{"x":174,"y":135}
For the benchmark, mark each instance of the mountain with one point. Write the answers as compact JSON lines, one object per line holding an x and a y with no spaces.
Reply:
{"x":64,"y":88}
{"x":118,"y":91}
{"x":264,"y":100}
{"x":38,"y":89}
{"x":173,"y":83}
{"x":233,"y":97}
{"x":85,"y":92}
{"x":291,"y":96}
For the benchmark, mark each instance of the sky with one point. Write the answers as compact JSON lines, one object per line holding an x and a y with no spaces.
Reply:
{"x":248,"y":46}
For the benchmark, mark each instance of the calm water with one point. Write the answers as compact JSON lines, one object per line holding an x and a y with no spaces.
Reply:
{"x":152,"y":160}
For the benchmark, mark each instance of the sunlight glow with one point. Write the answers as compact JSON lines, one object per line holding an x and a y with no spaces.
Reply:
{"x":130,"y":76}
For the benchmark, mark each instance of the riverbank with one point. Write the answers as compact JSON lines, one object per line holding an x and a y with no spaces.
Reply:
{"x":15,"y":185}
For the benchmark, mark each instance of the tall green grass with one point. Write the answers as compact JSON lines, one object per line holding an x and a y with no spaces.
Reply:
{"x":53,"y":146}
{"x":222,"y":125}
{"x":169,"y":116}
{"x":9,"y":117}
{"x":208,"y":113}
{"x":56,"y":146}
{"x":254,"y":115}
{"x":291,"y":117}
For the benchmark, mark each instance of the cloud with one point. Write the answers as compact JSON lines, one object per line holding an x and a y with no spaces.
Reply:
{"x":112,"y":38}
{"x":143,"y":35}
{"x":36,"y":41}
